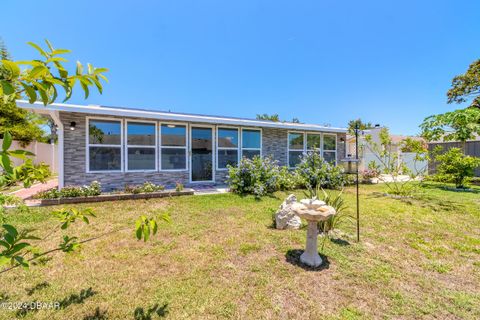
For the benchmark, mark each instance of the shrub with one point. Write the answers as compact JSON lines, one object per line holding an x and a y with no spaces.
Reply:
{"x":287,"y":180}
{"x":179,"y":187}
{"x":146,"y":187}
{"x":338,"y":203}
{"x":258,"y":176}
{"x":369,"y":174}
{"x":456,"y":167}
{"x":314,"y":171}
{"x":94,"y":189}
{"x":28,"y":173}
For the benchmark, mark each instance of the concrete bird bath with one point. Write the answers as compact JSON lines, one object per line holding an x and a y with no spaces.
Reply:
{"x":313,"y":211}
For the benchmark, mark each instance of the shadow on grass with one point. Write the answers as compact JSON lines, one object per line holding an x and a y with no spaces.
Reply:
{"x":97,"y":315}
{"x":156,"y":309}
{"x":340,"y":242}
{"x":37,"y":287}
{"x":64,"y":303}
{"x":450,"y":188}
{"x":77,"y":298}
{"x":293,"y":257}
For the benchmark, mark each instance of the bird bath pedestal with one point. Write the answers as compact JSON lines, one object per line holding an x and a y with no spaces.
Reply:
{"x":313,"y":211}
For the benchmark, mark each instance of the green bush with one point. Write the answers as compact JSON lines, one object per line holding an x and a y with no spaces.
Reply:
{"x":179,"y":187}
{"x":28,"y":173}
{"x":287,"y":179}
{"x":314,"y":171}
{"x":258,"y":176}
{"x":456,"y":167}
{"x":146,"y":187}
{"x":94,"y":189}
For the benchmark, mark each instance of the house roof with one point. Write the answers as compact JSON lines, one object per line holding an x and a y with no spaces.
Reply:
{"x":172,"y":116}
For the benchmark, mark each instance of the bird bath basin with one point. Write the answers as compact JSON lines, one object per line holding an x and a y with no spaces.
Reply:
{"x":313,"y":211}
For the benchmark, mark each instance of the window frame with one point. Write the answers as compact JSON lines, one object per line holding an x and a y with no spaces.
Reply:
{"x":88,"y":145}
{"x":336,"y":145}
{"x":155,"y":146}
{"x":186,"y":147}
{"x":252,"y":149}
{"x":305,"y":147}
{"x":238,"y":148}
{"x":313,"y":133}
{"x":288,"y":145}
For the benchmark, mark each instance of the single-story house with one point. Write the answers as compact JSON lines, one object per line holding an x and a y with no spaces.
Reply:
{"x":118,"y":146}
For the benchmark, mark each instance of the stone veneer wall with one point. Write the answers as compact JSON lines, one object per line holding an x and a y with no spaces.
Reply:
{"x":75,"y":162}
{"x":274,"y":143}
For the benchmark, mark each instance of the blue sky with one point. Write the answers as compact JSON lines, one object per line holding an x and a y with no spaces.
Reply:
{"x":389,"y":62}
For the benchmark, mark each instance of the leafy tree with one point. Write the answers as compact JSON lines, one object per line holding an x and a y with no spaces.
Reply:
{"x":459,"y":125}
{"x":275,"y":118}
{"x":41,"y":80}
{"x":43,"y":77}
{"x":361,"y":125}
{"x":466,"y":87}
{"x":462,"y":124}
{"x":389,"y":163}
{"x":22,"y":124}
{"x":4,"y":54}
{"x":269,"y":117}
{"x":456,"y":167}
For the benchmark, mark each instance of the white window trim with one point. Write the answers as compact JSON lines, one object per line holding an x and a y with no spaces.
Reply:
{"x":213,"y":153}
{"x":288,"y":145}
{"x":336,"y":145}
{"x":227,"y":148}
{"x":186,"y":147}
{"x":127,"y":121}
{"x":252,"y":149}
{"x":88,"y":145}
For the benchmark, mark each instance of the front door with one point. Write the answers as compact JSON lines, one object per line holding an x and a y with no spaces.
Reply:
{"x":201,"y":165}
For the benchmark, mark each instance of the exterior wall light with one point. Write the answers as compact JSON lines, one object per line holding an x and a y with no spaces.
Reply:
{"x":72,"y":125}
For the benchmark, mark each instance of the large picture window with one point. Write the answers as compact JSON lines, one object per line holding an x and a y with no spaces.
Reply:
{"x":299,"y":143}
{"x":227,"y":147}
{"x":296,"y":145}
{"x":330,"y":148}
{"x":104,"y":145}
{"x":141,"y":146}
{"x":251,"y":143}
{"x":313,"y":142}
{"x":173,"y":147}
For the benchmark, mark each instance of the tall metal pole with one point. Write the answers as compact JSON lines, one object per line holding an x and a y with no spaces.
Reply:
{"x":357,"y":181}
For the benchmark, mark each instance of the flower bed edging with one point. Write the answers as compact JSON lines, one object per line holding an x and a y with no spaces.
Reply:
{"x":114,"y":197}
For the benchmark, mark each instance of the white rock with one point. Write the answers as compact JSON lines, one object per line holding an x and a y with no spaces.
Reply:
{"x":285,"y":218}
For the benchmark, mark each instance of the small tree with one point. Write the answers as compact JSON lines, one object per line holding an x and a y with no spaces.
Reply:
{"x":352,"y":124}
{"x":459,"y":125}
{"x":457,"y":167}
{"x":41,"y":80}
{"x":392,"y":166}
{"x":269,"y":117}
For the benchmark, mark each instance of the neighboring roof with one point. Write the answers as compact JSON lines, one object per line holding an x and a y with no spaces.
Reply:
{"x":173,"y":116}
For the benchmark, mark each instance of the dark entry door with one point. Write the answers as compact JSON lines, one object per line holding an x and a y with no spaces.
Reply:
{"x":202,"y":154}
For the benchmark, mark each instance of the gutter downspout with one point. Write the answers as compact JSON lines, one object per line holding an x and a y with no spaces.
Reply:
{"x":60,"y":134}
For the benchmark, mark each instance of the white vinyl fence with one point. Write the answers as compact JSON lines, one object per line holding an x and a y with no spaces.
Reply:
{"x":418,"y":167}
{"x":44,"y":152}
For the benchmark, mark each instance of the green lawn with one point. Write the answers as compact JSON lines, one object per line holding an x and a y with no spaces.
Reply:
{"x":221,"y":258}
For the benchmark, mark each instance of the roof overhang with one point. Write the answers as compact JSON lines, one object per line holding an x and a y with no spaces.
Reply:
{"x":171,"y":116}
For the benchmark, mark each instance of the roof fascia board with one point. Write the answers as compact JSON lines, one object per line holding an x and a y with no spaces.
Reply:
{"x":91,"y":109}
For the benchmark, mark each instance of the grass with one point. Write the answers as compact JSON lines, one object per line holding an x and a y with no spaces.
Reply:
{"x":220,"y":258}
